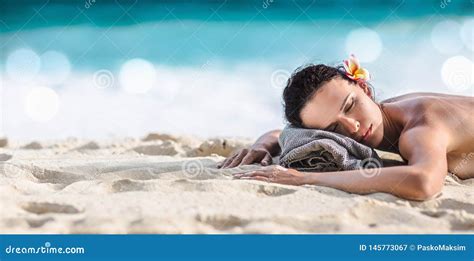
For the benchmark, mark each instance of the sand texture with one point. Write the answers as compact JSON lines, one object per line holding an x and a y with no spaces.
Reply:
{"x":170,"y":184}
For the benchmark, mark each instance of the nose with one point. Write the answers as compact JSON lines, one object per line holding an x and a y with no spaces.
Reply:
{"x":350,"y":125}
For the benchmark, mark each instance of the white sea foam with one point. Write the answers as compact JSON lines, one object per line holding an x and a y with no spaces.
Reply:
{"x":203,"y":101}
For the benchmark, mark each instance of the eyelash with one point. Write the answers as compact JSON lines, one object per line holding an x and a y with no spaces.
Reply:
{"x":351,"y":106}
{"x":347,"y":110}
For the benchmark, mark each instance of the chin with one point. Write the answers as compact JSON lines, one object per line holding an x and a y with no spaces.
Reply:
{"x":369,"y":143}
{"x":375,"y":140}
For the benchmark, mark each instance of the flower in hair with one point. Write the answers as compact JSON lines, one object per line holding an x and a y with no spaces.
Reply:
{"x":354,"y":71}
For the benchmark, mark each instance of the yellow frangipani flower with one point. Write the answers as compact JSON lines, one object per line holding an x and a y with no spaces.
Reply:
{"x":354,"y":71}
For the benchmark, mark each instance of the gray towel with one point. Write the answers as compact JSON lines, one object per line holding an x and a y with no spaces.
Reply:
{"x":318,"y":150}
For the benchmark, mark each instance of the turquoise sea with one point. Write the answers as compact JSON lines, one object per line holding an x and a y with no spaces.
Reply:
{"x":124,"y":68}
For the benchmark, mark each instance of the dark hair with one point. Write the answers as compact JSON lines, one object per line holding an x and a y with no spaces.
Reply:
{"x":301,"y":86}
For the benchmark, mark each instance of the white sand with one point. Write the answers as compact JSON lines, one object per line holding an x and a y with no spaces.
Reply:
{"x":169,"y":184}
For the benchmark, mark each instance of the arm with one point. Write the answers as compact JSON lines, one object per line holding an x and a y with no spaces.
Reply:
{"x":269,"y":141}
{"x":404,"y":181}
{"x":261,"y":151}
{"x":421,"y":179}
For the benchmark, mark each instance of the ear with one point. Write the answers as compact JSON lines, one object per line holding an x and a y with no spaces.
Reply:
{"x":365,"y":87}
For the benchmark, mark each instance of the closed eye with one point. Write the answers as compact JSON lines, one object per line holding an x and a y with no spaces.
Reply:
{"x":350,"y":106}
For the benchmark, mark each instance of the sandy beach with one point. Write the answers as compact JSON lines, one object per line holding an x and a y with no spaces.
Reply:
{"x":170,"y":184}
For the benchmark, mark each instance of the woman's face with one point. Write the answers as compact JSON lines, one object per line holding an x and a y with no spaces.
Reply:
{"x":345,"y":108}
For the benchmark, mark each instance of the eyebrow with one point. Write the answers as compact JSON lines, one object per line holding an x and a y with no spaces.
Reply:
{"x":342,"y":107}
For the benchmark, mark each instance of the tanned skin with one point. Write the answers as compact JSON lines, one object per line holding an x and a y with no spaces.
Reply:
{"x":433,"y":132}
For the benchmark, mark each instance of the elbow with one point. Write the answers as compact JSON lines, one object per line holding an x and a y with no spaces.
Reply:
{"x":426,"y":185}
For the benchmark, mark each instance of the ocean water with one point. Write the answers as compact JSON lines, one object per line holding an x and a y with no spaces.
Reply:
{"x":100,"y":69}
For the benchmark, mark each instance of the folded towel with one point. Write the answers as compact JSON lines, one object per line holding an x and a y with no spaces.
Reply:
{"x":318,"y":150}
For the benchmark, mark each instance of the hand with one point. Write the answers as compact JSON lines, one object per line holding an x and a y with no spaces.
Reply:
{"x":248,"y":156}
{"x":276,"y":174}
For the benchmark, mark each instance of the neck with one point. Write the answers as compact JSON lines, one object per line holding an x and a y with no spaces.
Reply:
{"x":391,"y":131}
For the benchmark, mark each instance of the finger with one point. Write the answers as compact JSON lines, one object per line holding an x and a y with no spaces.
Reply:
{"x":240,"y":174}
{"x":267,"y":160}
{"x":260,"y":170}
{"x":243,"y":174}
{"x":237,"y":159}
{"x":220,"y":164}
{"x":248,"y":159}
{"x":225,"y":162}
{"x":255,"y":173}
{"x":260,"y":178}
{"x":228,"y":161}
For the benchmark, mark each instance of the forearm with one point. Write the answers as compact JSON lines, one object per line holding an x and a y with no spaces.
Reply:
{"x":402,"y":181}
{"x":269,"y":141}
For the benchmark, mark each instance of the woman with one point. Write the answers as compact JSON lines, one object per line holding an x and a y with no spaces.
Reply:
{"x":434,"y":133}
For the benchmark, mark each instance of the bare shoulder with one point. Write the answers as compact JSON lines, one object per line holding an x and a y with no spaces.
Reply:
{"x":431,"y":116}
{"x":419,"y":139}
{"x":422,"y":96}
{"x":432,"y":109}
{"x":426,"y":119}
{"x":437,"y":128}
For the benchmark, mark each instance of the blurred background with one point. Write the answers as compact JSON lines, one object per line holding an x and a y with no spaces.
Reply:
{"x":106,"y":68}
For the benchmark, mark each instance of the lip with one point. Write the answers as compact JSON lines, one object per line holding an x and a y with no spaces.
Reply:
{"x":367,"y":134}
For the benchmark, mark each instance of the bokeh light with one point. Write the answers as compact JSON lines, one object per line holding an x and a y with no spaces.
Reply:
{"x":23,"y":65}
{"x":41,"y":104}
{"x":445,"y":37}
{"x":134,"y":72}
{"x":364,"y":43}
{"x":137,"y":76}
{"x":55,"y":67}
{"x":167,"y":85}
{"x":457,"y":73}
{"x":467,"y":33}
